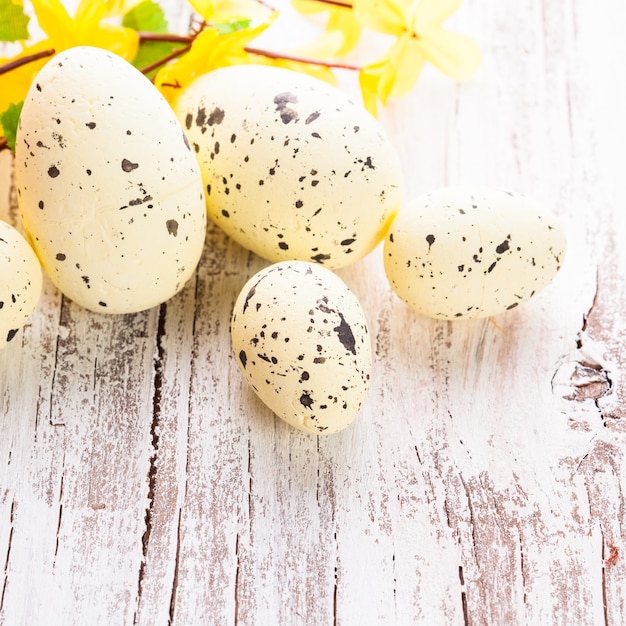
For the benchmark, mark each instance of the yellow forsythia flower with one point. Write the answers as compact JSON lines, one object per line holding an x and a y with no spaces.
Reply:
{"x":209,"y":51}
{"x":416,"y":24}
{"x":342,"y":33}
{"x":85,"y":28}
{"x":216,"y":11}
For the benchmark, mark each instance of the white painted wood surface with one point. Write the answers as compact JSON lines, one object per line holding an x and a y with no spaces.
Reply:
{"x":141,"y":482}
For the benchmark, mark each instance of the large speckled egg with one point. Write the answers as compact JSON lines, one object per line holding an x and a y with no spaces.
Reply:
{"x":292,"y":168}
{"x":301,"y":341}
{"x":109,"y":190}
{"x":20,"y":282}
{"x":465,"y":253}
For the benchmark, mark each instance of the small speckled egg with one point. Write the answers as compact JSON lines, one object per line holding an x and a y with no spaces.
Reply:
{"x":465,"y":253}
{"x":292,"y":168}
{"x":301,"y":340}
{"x":109,"y":190}
{"x":20,"y":282}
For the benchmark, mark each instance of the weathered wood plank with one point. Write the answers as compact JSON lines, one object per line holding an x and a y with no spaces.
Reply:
{"x":142,"y":482}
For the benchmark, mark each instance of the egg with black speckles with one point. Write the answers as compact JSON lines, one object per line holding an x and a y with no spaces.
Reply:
{"x":20,"y":282}
{"x":292,"y":168}
{"x":467,"y":253}
{"x":109,"y":190}
{"x":301,"y":340}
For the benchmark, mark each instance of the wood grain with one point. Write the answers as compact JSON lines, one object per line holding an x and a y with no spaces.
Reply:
{"x":142,"y":482}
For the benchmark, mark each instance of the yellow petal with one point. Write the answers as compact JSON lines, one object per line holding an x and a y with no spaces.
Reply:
{"x":119,"y":7}
{"x":86,"y":19}
{"x":345,"y":22}
{"x":382,"y":16}
{"x":369,"y":79}
{"x":325,"y":47}
{"x":215,"y":11}
{"x":341,"y":35}
{"x":122,"y":41}
{"x":307,"y":7}
{"x":209,"y":51}
{"x":407,"y":59}
{"x":454,"y":54}
{"x":433,"y":12}
{"x":55,"y":22}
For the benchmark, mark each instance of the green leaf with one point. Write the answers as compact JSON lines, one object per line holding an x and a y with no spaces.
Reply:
{"x":147,"y":16}
{"x":9,"y":120}
{"x":13,"y":21}
{"x":226,"y":28}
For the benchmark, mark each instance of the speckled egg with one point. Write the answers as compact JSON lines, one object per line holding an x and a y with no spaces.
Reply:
{"x":20,"y":282}
{"x":292,"y":168}
{"x":301,"y":340}
{"x":109,"y":190}
{"x":465,"y":253}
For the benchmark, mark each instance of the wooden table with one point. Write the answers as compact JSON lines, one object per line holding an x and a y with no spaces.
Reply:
{"x":142,"y":482}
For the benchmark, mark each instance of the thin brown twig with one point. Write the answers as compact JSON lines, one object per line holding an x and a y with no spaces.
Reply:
{"x":143,"y":36}
{"x":13,"y":65}
{"x":164,"y":60}
{"x":337,"y":3}
{"x":291,"y":57}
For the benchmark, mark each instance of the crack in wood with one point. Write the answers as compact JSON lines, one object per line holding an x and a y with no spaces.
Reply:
{"x":8,"y":557}
{"x":60,"y":499}
{"x":172,"y":605}
{"x":466,"y":619}
{"x":154,"y":434}
{"x":237,"y":571}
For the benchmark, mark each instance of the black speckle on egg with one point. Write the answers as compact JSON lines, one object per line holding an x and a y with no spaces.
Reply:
{"x":282,"y":100}
{"x":90,"y":125}
{"x":312,"y":117}
{"x":504,"y":246}
{"x":346,"y":337}
{"x":60,"y":257}
{"x":40,"y":204}
{"x":172,"y":227}
{"x":12,"y":334}
{"x":129,"y":166}
{"x":320,"y":257}
{"x":306,"y":400}
{"x":299,"y":204}
{"x":243,"y":358}
{"x":53,"y":171}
